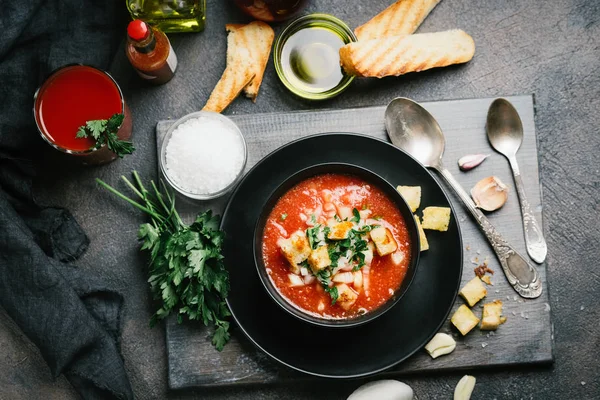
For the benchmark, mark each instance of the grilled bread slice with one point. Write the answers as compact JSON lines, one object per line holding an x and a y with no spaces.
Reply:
{"x":256,"y":37}
{"x":397,"y":55}
{"x":401,"y":18}
{"x":236,"y":77}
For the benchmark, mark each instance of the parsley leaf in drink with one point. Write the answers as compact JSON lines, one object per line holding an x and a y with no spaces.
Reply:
{"x":186,"y":272}
{"x":105,"y":132}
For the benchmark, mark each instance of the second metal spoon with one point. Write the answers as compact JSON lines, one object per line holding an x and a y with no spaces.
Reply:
{"x":414,"y":130}
{"x":505,"y":133}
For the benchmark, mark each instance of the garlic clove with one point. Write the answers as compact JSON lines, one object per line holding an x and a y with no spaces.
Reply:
{"x":471,"y":161}
{"x":386,"y":389}
{"x":464,"y":388}
{"x":490,"y":193}
{"x":441,"y":344}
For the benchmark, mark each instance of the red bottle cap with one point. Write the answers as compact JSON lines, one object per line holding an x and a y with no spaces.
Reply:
{"x":138,"y":30}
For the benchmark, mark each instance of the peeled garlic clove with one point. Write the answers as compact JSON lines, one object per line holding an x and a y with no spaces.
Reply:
{"x":386,"y":389}
{"x":470,"y":161}
{"x":464,"y":388}
{"x":489,"y":194}
{"x":441,"y":344}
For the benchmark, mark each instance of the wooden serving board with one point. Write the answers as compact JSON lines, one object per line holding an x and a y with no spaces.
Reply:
{"x":525,"y":338}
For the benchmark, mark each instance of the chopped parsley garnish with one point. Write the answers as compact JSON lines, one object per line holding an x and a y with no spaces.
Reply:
{"x":333,"y":292}
{"x":356,"y":216}
{"x":337,"y":218}
{"x":283,"y":216}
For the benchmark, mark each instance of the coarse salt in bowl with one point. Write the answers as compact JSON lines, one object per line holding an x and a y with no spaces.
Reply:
{"x":203,"y":155}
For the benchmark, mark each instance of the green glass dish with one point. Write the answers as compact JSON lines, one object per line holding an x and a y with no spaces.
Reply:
{"x":306,"y":56}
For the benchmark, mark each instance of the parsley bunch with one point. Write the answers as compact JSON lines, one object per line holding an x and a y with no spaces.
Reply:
{"x":186,"y":271}
{"x":104,"y":131}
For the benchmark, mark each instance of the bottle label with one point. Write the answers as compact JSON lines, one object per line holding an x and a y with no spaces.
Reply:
{"x":172,"y":59}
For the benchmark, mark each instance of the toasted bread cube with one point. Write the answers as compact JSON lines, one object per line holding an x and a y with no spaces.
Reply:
{"x":473,"y":291}
{"x":412,"y":195}
{"x":464,"y":320}
{"x":295,"y":249}
{"x":346,"y":296}
{"x":340,"y":231}
{"x":319,"y":259}
{"x":492,"y":316}
{"x":422,"y":238}
{"x":436,"y":218}
{"x":486,"y":279}
{"x":384,"y":241}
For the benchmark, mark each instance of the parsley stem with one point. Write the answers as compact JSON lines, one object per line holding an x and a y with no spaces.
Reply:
{"x":127,"y":199}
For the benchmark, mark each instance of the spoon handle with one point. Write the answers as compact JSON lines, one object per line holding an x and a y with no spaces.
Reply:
{"x":522,"y":276}
{"x":534,"y":239}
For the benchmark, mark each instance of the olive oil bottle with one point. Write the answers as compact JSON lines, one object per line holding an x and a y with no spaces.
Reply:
{"x":170,"y":15}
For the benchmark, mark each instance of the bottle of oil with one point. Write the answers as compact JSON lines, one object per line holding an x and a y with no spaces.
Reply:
{"x":170,"y":15}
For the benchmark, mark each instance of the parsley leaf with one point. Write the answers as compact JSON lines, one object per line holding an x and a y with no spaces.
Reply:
{"x":186,"y":272}
{"x":356,"y":216}
{"x":105,"y":132}
{"x":283,"y":216}
{"x":333,"y":292}
{"x":337,"y":218}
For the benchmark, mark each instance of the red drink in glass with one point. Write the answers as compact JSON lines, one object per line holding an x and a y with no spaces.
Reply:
{"x":71,"y":96}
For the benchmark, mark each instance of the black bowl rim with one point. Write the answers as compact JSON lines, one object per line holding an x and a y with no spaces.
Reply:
{"x":279,"y":359}
{"x":369,"y":176}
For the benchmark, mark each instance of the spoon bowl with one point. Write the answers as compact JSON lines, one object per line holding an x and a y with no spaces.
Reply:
{"x":504,"y":127}
{"x":413,"y":129}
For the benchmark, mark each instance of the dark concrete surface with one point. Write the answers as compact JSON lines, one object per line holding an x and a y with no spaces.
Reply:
{"x":547,"y":47}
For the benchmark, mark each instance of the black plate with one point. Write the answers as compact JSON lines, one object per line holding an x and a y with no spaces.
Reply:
{"x":356,"y":351}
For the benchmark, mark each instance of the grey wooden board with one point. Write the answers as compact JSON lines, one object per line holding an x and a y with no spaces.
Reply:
{"x":525,"y":338}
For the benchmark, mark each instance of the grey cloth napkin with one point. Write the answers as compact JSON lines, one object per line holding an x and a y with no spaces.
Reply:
{"x":71,"y":316}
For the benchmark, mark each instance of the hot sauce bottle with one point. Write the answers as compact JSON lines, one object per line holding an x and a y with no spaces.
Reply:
{"x":150,"y":53}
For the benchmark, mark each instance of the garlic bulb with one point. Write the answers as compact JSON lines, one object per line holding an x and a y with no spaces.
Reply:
{"x":470,"y":161}
{"x":490,"y":193}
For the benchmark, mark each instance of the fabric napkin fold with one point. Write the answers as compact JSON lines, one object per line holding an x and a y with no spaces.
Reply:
{"x":68,"y":313}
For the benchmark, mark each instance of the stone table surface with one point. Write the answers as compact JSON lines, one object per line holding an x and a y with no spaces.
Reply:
{"x":548,"y":48}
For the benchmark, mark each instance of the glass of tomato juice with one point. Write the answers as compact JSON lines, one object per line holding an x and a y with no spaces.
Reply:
{"x":71,"y":96}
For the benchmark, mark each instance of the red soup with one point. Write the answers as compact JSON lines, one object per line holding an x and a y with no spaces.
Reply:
{"x":72,"y":96}
{"x":336,"y":246}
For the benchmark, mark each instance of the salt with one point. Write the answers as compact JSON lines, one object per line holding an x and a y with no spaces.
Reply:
{"x":204,"y":156}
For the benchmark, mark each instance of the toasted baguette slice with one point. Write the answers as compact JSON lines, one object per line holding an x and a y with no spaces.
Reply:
{"x":397,"y":55}
{"x":401,"y":18}
{"x":234,"y":79}
{"x":256,"y":37}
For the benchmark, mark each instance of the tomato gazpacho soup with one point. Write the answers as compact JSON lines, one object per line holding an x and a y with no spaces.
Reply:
{"x":335,"y":246}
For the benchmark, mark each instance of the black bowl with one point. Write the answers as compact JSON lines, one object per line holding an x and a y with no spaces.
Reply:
{"x":368,"y":176}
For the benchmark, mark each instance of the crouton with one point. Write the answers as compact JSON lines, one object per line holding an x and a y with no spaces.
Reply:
{"x":412,"y":196}
{"x":473,"y":291}
{"x":340,"y":231}
{"x":346,"y":296}
{"x":295,"y":249}
{"x":384,"y":241}
{"x":319,"y":259}
{"x":422,"y":238}
{"x":436,"y":218}
{"x":492,"y":316}
{"x":464,"y":320}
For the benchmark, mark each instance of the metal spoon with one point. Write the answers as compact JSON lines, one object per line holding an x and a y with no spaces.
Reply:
{"x":505,"y":133}
{"x":413,"y":129}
